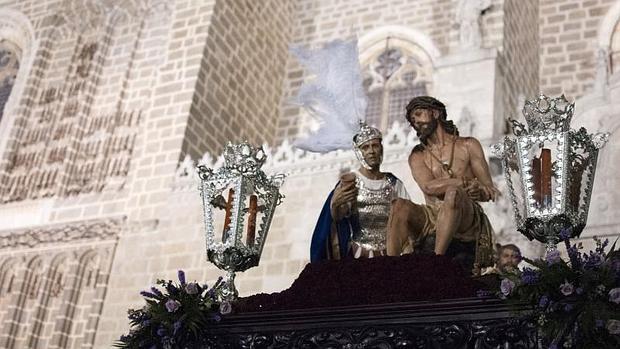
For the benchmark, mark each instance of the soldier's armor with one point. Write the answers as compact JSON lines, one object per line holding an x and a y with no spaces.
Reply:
{"x":372,"y":211}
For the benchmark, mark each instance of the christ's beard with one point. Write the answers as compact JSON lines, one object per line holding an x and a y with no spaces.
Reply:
{"x":427,"y":130}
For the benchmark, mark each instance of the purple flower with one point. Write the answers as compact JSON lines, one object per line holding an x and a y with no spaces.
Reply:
{"x":565,"y":234}
{"x":613,"y":326}
{"x":579,"y":291}
{"x":600,"y":246}
{"x":529,"y":276}
{"x":567,"y":288}
{"x":614,"y":295}
{"x":225,"y":308}
{"x":172,"y":305}
{"x":568,"y":307}
{"x":176,"y":327}
{"x":147,"y":294}
{"x":574,"y":256}
{"x":156,"y":291}
{"x":181,"y":275}
{"x":615,"y":265}
{"x":192,"y":288}
{"x":161,"y":332}
{"x":553,"y":345}
{"x":594,"y":260}
{"x":599,"y":323}
{"x":506,"y":287}
{"x":543,"y":302}
{"x":553,"y":257}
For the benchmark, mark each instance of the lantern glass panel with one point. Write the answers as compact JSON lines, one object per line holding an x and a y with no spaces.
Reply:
{"x":513,"y":178}
{"x":579,"y":182}
{"x":542,"y":160}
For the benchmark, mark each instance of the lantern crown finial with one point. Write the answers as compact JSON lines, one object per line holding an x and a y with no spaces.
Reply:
{"x":545,"y":114}
{"x":243,"y":157}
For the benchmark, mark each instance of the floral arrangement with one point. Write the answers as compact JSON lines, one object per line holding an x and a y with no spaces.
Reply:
{"x":176,"y":317}
{"x":576,"y":302}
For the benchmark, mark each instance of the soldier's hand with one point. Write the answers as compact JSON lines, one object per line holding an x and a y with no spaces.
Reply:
{"x":344,"y":195}
{"x":343,"y":198}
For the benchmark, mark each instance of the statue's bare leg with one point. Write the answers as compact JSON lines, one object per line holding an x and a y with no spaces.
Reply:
{"x":456,"y":212}
{"x":406,"y":221}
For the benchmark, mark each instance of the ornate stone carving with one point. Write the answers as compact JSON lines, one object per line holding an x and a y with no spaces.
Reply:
{"x":467,"y":122}
{"x":468,"y":14}
{"x":87,"y":16}
{"x":95,"y":230}
{"x":398,"y":141}
{"x":65,"y":149}
{"x":603,"y":69}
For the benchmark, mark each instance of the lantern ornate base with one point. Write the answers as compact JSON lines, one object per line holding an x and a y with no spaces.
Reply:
{"x":229,"y":291}
{"x":547,"y":229}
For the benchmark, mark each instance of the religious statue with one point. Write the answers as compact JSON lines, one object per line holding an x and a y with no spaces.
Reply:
{"x":354,"y":218}
{"x":353,"y":222}
{"x":454,"y":177}
{"x":468,"y":19}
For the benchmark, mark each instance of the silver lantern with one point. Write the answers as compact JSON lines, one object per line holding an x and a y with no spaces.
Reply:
{"x":549,"y":169}
{"x":247,"y":198}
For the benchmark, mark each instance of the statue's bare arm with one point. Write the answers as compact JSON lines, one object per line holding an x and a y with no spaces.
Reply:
{"x":480,"y":169}
{"x":423,"y":175}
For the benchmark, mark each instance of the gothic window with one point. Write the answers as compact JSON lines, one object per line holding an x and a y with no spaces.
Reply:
{"x":9,"y":65}
{"x":392,"y":76}
{"x":615,"y":49}
{"x":7,"y":278}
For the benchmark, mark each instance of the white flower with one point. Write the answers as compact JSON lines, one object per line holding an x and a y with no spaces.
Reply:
{"x":613,"y":326}
{"x":506,"y":287}
{"x":614,"y":295}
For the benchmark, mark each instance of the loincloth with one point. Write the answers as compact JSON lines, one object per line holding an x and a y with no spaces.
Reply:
{"x":478,"y":235}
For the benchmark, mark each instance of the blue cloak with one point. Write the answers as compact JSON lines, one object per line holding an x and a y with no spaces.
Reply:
{"x":326,"y":230}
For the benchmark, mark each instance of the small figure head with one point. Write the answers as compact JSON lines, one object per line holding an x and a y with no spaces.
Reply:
{"x":509,"y":257}
{"x":367,"y":146}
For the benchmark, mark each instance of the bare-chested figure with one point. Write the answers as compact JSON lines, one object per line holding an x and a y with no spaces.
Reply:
{"x":453,"y":174}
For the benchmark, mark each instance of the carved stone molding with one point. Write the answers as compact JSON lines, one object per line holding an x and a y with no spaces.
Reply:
{"x":92,"y":230}
{"x":397,"y":143}
{"x":90,"y":15}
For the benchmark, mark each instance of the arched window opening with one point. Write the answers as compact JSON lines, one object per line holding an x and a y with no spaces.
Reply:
{"x":9,"y":65}
{"x":392,"y":76}
{"x":615,"y":49}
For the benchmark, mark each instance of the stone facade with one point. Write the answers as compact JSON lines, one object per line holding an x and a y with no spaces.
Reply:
{"x":568,"y":44}
{"x":115,"y":102}
{"x":241,"y":75}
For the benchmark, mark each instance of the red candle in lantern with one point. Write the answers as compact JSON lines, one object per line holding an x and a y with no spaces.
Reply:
{"x":227,"y":217}
{"x":251,"y":228}
{"x":545,"y":174}
{"x":536,"y":180}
